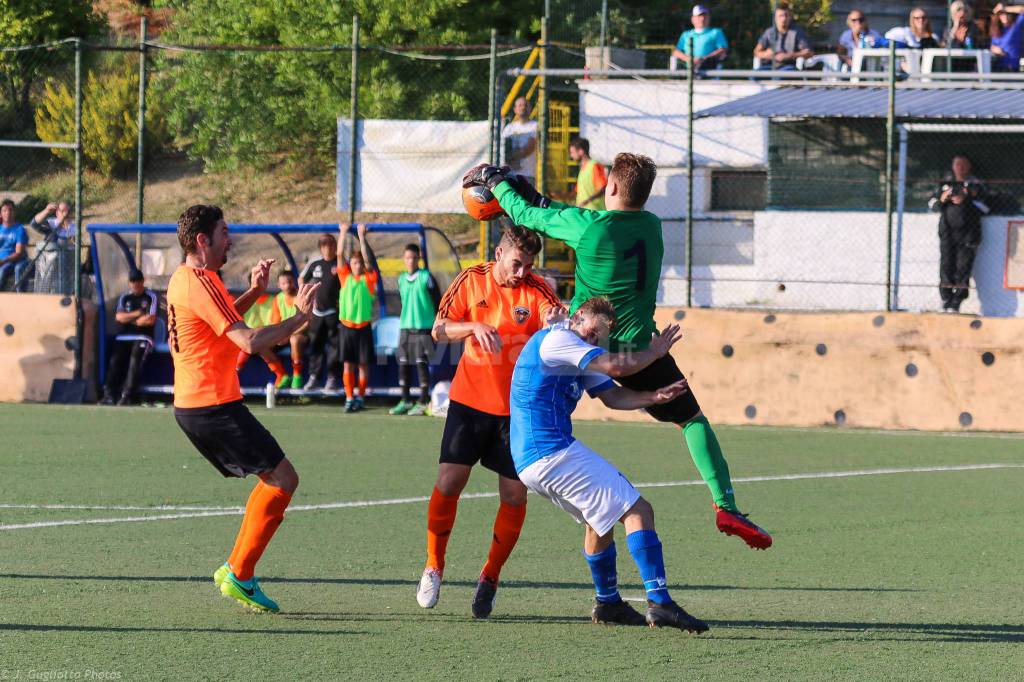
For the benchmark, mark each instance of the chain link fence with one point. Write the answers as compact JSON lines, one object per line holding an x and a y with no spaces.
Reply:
{"x":771,"y":204}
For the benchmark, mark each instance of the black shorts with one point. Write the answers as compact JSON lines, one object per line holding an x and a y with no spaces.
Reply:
{"x":662,"y":372}
{"x":472,"y":436}
{"x":230,"y":438}
{"x":415,"y":345}
{"x":357,"y":345}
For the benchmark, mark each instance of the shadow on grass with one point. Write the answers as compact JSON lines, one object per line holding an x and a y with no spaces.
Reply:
{"x":433,"y":616}
{"x":42,"y":627}
{"x":374,"y":582}
{"x":937,"y":632}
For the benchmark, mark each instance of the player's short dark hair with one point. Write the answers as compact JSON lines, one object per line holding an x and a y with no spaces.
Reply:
{"x":196,"y":220}
{"x":581,"y":143}
{"x":7,"y":202}
{"x":286,"y":273}
{"x":327,"y":239}
{"x":411,"y":246}
{"x":635,"y":175}
{"x":135,"y":275}
{"x":519,"y":237}
{"x":601,"y":306}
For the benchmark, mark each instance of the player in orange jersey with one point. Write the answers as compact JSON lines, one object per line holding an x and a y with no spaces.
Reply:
{"x":494,"y":308}
{"x":205,"y":332}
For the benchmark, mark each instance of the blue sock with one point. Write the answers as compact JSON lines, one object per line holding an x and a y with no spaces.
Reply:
{"x":645,"y":547}
{"x":602,"y":569}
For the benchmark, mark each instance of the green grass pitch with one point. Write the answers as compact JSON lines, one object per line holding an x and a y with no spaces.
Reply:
{"x":883,"y":576}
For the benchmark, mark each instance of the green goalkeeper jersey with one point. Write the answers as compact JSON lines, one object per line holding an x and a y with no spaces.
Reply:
{"x":618,"y":255}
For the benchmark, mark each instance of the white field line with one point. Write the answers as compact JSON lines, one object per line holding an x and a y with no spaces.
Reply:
{"x":200,"y":512}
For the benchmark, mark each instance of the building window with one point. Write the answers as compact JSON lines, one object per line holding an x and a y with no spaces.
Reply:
{"x":739,"y":190}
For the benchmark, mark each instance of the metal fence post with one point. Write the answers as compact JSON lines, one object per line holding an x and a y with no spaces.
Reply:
{"x":542,"y":124}
{"x":353,"y":115}
{"x":889,"y":130}
{"x":78,"y":210}
{"x":140,"y":175}
{"x":604,"y":24}
{"x":492,"y":134}
{"x":689,"y":177}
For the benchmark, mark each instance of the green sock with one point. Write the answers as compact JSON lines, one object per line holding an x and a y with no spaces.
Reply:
{"x":707,"y":456}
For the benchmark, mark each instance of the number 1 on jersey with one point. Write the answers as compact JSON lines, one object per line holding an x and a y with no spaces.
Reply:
{"x":639,"y":249}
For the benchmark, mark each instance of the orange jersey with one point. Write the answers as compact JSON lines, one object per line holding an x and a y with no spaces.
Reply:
{"x":483,"y":380}
{"x":199,"y":312}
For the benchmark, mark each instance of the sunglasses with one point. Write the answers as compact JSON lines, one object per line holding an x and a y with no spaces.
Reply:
{"x":857,"y":20}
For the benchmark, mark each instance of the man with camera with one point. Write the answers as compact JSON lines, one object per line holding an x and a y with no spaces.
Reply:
{"x":960,"y":203}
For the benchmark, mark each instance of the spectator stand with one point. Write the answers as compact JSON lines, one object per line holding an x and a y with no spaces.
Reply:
{"x":293,"y":246}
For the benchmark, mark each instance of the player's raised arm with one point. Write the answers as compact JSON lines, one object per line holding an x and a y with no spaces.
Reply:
{"x":629,"y":362}
{"x":622,"y":398}
{"x":258,"y":279}
{"x":254,"y":341}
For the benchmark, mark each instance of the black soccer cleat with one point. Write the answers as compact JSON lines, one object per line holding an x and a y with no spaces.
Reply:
{"x":672,"y":615}
{"x":616,"y":613}
{"x":483,"y":598}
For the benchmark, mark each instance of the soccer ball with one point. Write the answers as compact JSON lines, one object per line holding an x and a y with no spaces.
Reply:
{"x":480,"y":203}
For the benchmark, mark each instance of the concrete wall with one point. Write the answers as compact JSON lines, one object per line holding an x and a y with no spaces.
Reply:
{"x":36,"y":336}
{"x":891,"y":371}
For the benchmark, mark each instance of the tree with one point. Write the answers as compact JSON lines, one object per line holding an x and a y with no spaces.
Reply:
{"x":32,"y":22}
{"x":257,"y":107}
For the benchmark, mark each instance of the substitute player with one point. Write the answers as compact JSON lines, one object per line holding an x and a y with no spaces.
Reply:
{"x":284,"y":308}
{"x":261,"y":314}
{"x":494,"y":308}
{"x":420,"y":298}
{"x":205,"y":332}
{"x":619,"y":255}
{"x":358,"y":276}
{"x":556,"y":366}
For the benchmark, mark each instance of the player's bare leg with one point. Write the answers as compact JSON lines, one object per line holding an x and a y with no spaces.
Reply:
{"x":444,"y":500}
{"x":298,"y":343}
{"x":507,"y":525}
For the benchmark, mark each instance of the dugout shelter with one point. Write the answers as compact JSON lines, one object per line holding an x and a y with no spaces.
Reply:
{"x":118,"y":248}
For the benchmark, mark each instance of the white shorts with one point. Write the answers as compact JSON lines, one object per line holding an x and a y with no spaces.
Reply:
{"x":583,"y":483}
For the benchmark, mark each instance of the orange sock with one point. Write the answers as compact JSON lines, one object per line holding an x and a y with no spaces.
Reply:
{"x":440,"y":520}
{"x":362,"y":385}
{"x":243,"y":358}
{"x":350,"y":385}
{"x":507,"y":526}
{"x":266,"y":509}
{"x":277,"y":368}
{"x":233,"y":557}
{"x":297,"y":368}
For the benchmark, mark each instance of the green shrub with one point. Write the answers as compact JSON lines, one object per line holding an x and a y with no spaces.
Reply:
{"x":110,"y":103}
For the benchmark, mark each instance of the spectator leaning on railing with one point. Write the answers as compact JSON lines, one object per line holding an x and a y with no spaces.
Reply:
{"x":709,"y":44}
{"x":916,"y":35}
{"x":13,"y":247}
{"x":782,"y":44}
{"x":858,"y":34}
{"x":1006,"y":31}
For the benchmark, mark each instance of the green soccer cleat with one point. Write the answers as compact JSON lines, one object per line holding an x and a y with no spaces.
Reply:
{"x":297,"y":382}
{"x":248,"y":593}
{"x":285,"y":382}
{"x":401,"y":408}
{"x":418,"y":410}
{"x":221,"y":573}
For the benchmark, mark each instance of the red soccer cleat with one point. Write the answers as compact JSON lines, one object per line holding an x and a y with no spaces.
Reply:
{"x":735,"y":523}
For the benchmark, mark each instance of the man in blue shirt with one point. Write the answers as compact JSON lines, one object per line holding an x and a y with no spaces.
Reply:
{"x":709,"y":44}
{"x":13,"y":246}
{"x":553,"y":370}
{"x":858,"y":35}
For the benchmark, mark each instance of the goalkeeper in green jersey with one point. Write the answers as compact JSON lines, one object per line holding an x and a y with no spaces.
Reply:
{"x":618,"y":256}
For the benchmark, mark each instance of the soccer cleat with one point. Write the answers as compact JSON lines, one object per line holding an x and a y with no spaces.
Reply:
{"x":616,"y":613}
{"x":311,"y":383}
{"x":221,"y":573}
{"x":350,"y":406}
{"x":248,"y":593}
{"x":672,"y":615}
{"x":332,"y":385}
{"x":296,"y":382}
{"x":283,"y":381}
{"x":360,"y":404}
{"x":418,"y":410}
{"x":401,"y":408}
{"x":429,"y":588}
{"x":107,"y":399}
{"x":735,"y":523}
{"x":483,"y":598}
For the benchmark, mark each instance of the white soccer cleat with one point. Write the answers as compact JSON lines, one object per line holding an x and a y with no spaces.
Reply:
{"x":429,"y":589}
